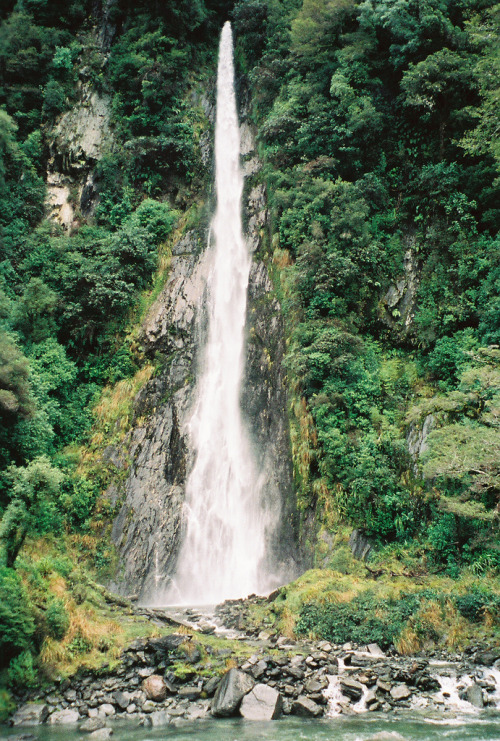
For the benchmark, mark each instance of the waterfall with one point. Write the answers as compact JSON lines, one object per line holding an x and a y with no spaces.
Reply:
{"x":223,"y":550}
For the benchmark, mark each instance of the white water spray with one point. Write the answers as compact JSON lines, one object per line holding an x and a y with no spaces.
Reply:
{"x":224,"y":546}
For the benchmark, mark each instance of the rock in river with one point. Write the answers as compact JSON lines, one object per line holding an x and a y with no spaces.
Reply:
{"x":233,"y":686}
{"x":262,"y":703}
{"x":305,"y":706}
{"x":31,"y":714}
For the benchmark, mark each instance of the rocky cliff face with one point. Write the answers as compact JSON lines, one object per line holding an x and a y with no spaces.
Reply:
{"x":81,"y":136}
{"x":148,"y":527}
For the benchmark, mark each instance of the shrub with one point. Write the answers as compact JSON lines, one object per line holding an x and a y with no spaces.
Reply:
{"x":16,"y":619}
{"x":154,"y":216}
{"x":7,"y":705}
{"x":363,"y":620}
{"x":22,"y":673}
{"x":474,"y":604}
{"x":444,"y":361}
{"x":57,"y":619}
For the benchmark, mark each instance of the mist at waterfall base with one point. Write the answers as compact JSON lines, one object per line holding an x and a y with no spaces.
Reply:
{"x":227,"y":520}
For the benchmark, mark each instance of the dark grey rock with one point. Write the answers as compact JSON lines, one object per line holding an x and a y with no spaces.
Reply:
{"x":316,"y":684}
{"x":360,"y":545}
{"x":233,"y":686}
{"x":295,"y":671}
{"x":258,"y":670}
{"x":351,"y":688}
{"x":188,"y":693}
{"x":306,"y":707}
{"x":487,"y":658}
{"x":210,"y":686}
{"x":122,"y":699}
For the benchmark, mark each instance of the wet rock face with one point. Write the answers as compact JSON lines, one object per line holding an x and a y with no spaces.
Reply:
{"x":147,"y":529}
{"x":398,"y":306}
{"x":81,"y":134}
{"x":264,"y":401}
{"x":360,"y":545}
{"x":264,"y":392}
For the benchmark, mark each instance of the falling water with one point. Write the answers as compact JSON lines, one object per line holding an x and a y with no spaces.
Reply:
{"x":223,"y":549}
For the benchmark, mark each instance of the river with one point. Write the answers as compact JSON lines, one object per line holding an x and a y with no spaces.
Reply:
{"x":403,"y":727}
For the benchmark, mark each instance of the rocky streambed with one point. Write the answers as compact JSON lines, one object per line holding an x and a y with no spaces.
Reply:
{"x":181,"y":677}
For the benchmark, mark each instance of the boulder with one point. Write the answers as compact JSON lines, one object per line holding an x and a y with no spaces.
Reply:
{"x":122,"y":699}
{"x":474,"y":695}
{"x":400,"y":692}
{"x":258,"y":670}
{"x":155,"y":688}
{"x":295,"y":671}
{"x":306,"y":707}
{"x":487,"y":658}
{"x":101,"y":735}
{"x":160,"y":718}
{"x":189,"y":693}
{"x":193,"y":653}
{"x":31,"y":714}
{"x":62,"y":717}
{"x":383,"y":685}
{"x":262,"y":703}
{"x":351,"y":688}
{"x":316,"y":684}
{"x":92,"y":724}
{"x":375,"y":650}
{"x":106,"y":709}
{"x":232,"y":688}
{"x":210,"y":686}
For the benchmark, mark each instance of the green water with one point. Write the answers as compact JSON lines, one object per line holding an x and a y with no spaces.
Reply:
{"x":292,"y":729}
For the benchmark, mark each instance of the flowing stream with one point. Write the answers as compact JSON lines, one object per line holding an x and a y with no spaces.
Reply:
{"x":224,"y":545}
{"x":356,"y":728}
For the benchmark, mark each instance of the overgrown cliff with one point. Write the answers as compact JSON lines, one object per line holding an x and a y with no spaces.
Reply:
{"x":372,"y":211}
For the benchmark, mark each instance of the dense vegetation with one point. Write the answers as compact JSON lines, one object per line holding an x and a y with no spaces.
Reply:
{"x":378,"y":131}
{"x":67,"y":296}
{"x":377,"y":127}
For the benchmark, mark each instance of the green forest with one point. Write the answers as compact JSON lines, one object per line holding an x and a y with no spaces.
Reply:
{"x":377,"y":128}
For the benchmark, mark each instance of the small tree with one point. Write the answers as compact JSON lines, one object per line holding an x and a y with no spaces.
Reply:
{"x":35,"y":489}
